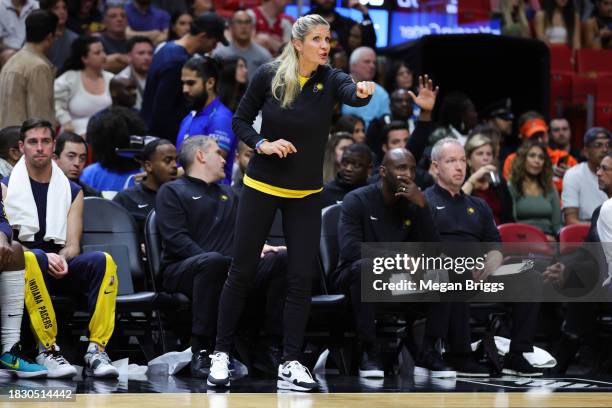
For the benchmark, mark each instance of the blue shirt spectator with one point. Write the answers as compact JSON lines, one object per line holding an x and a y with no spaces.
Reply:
{"x":104,"y":179}
{"x":213,"y":120}
{"x":378,"y":106}
{"x":147,"y":17}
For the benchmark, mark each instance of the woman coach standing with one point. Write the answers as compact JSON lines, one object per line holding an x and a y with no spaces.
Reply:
{"x":296,"y":94}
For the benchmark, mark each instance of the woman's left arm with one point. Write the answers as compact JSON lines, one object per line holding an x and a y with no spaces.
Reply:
{"x":350,"y":93}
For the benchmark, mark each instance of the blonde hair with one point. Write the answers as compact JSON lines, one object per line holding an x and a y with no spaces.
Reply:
{"x":286,"y":83}
{"x":476,"y":142}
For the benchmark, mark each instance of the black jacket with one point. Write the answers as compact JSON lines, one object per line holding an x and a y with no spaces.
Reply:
{"x":306,"y":124}
{"x":139,"y":201}
{"x":195,"y":217}
{"x":366,"y":218}
{"x":335,"y":190}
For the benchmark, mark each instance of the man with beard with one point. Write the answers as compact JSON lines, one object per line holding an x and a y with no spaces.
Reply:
{"x":209,"y":116}
{"x":393,"y":210}
{"x":581,"y":194}
{"x":355,"y":167}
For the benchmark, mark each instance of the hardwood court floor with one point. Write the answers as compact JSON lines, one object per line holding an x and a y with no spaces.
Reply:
{"x":341,"y":400}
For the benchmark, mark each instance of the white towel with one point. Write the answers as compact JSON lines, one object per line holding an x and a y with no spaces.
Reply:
{"x":539,"y":358}
{"x":21,"y":209}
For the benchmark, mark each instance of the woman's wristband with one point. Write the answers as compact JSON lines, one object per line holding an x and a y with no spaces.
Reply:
{"x":258,"y":144}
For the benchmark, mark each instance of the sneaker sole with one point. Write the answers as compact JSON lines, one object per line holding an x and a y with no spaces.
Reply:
{"x":65,"y":374}
{"x":111,"y":374}
{"x":508,"y":371}
{"x":286,"y":385}
{"x":425,"y":372}
{"x":26,"y":374}
{"x":478,"y":375}
{"x":372,"y":373}
{"x":220,"y":383}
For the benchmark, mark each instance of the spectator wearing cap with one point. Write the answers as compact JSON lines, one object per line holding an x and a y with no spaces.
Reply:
{"x":13,"y":15}
{"x":581,"y":194}
{"x":71,"y":155}
{"x":242,"y":45}
{"x":159,"y":163}
{"x":147,"y":20}
{"x":209,"y":116}
{"x":561,"y":137}
{"x":164,"y":105}
{"x":533,"y":128}
{"x":499,"y":115}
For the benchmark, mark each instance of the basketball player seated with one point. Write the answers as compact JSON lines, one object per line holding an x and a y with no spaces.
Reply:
{"x":45,"y":210}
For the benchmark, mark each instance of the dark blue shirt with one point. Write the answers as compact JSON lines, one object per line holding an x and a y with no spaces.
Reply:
{"x":153,"y":19}
{"x":163,"y":104}
{"x":461,"y":218}
{"x":39,"y":191}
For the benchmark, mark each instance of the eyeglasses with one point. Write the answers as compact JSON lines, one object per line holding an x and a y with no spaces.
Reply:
{"x":603,"y":167}
{"x":599,"y":145}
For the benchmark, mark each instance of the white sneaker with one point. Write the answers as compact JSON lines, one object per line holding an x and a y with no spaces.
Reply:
{"x":57,"y":366}
{"x":98,"y":364}
{"x":294,"y":376}
{"x":219,"y":370}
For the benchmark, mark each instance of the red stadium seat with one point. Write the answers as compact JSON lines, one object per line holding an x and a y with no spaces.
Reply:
{"x":530,"y":239}
{"x":604,"y":89}
{"x":560,"y":93}
{"x":571,"y":236}
{"x":603,"y":115}
{"x":582,"y":87}
{"x":591,"y":60}
{"x":561,"y":58}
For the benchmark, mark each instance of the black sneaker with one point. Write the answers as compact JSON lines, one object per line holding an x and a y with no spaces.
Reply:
{"x":200,"y":364}
{"x":371,"y":364}
{"x":269,"y":360}
{"x":565,"y":353}
{"x":430,"y":363}
{"x":466,"y":365}
{"x":516,"y":364}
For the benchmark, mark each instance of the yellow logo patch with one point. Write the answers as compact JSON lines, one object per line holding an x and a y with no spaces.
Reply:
{"x":408,"y":223}
{"x":471,"y":210}
{"x":319,"y":86}
{"x":224,"y":197}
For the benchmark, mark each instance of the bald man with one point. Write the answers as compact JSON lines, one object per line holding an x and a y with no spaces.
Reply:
{"x":392,"y":210}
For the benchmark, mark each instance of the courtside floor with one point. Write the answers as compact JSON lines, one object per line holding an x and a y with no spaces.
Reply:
{"x":337,"y":391}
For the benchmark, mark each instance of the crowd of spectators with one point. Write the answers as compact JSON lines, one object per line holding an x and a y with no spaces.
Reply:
{"x":107,"y":73}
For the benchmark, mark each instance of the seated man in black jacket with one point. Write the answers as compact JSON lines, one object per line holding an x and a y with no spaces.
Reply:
{"x":355,"y":167}
{"x":196,"y":217}
{"x":393,"y":210}
{"x":159,"y":163}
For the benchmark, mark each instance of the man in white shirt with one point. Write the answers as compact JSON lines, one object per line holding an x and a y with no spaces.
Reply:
{"x":581,"y":194}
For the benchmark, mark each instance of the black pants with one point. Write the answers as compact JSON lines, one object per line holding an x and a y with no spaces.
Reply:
{"x":302,"y":229}
{"x":348,"y":281}
{"x":201,"y":278}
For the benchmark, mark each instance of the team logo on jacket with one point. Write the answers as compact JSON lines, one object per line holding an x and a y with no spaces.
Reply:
{"x":471,"y":210}
{"x":318,"y":87}
{"x":407,"y":223}
{"x":224,"y":197}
